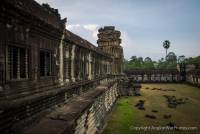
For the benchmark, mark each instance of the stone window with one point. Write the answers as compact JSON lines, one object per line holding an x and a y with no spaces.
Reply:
{"x":45,"y":63}
{"x":17,"y":62}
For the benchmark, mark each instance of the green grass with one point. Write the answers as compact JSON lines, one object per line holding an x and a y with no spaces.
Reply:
{"x":126,"y":115}
{"x":122,"y":118}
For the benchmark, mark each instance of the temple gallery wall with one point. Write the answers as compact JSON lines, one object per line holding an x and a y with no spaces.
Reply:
{"x":55,"y":77}
{"x":43,"y":66}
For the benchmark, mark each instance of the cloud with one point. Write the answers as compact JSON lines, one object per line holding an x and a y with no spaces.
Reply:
{"x":92,"y":28}
{"x":87,"y":31}
{"x":73,"y":26}
{"x":144,"y":24}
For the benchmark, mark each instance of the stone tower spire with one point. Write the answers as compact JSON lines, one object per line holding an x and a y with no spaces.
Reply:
{"x":109,"y":41}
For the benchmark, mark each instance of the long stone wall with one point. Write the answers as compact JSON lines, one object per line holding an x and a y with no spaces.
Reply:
{"x":153,"y":75}
{"x":165,"y":76}
{"x":37,"y":52}
{"x":21,"y":112}
{"x":43,"y":65}
{"x":84,"y":114}
{"x":193,"y":77}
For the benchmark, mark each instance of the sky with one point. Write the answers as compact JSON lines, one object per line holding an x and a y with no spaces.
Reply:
{"x":144,"y":24}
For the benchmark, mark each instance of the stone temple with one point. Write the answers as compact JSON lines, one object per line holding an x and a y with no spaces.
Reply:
{"x":51,"y":75}
{"x":53,"y":81}
{"x":109,"y":41}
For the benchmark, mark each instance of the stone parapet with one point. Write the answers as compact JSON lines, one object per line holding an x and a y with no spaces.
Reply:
{"x":193,"y":77}
{"x":82,"y":115}
{"x":153,"y":76}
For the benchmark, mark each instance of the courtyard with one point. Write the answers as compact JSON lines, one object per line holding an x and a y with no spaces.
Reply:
{"x":71,"y":68}
{"x":172,"y":105}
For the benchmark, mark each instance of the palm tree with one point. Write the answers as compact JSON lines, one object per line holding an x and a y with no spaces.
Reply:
{"x":166,"y":45}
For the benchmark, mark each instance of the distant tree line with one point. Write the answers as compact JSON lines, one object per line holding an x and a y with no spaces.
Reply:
{"x":195,"y":61}
{"x":170,"y":62}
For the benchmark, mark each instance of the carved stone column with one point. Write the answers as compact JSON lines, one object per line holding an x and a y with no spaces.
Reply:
{"x":18,"y":64}
{"x":2,"y":64}
{"x":67,"y":65}
{"x":90,"y":66}
{"x":61,"y":76}
{"x":72,"y":63}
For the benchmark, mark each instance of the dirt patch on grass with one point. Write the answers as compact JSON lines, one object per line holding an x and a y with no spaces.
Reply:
{"x":155,"y":104}
{"x":140,"y":105}
{"x":159,"y":89}
{"x":173,"y":101}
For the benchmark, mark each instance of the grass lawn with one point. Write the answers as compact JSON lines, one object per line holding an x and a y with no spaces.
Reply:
{"x":126,"y":116}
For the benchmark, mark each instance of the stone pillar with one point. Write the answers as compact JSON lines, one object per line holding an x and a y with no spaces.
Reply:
{"x":61,"y":76}
{"x":26,"y":63}
{"x":67,"y":66}
{"x":79,"y":64}
{"x":83,"y":62}
{"x":2,"y":64}
{"x":72,"y":63}
{"x":93,"y":67}
{"x":90,"y":66}
{"x":18,"y":64}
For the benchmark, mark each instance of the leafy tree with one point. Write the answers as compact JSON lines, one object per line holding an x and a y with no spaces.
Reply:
{"x":171,"y":57}
{"x":181,"y":59}
{"x":161,"y":64}
{"x":148,"y":63}
{"x":147,"y":59}
{"x":195,"y":61}
{"x":170,"y":62}
{"x":133,"y":58}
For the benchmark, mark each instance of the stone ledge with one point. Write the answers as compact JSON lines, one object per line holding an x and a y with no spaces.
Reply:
{"x":5,"y":104}
{"x":63,"y":120}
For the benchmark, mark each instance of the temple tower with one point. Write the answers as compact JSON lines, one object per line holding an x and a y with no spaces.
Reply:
{"x":109,"y":41}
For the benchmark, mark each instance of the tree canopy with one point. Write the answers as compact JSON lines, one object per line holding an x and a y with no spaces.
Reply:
{"x":170,"y":62}
{"x":195,"y":61}
{"x":148,"y":64}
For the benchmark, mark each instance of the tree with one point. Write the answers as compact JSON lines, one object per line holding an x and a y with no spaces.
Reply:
{"x":171,"y":57}
{"x":171,"y":61}
{"x":161,"y":64}
{"x":148,"y":63}
{"x":140,"y":59}
{"x":195,"y":61}
{"x":166,"y":45}
{"x":147,"y":59}
{"x":181,"y":59}
{"x":133,"y":58}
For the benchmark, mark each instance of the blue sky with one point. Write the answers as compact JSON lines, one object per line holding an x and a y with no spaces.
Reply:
{"x":144,"y":24}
